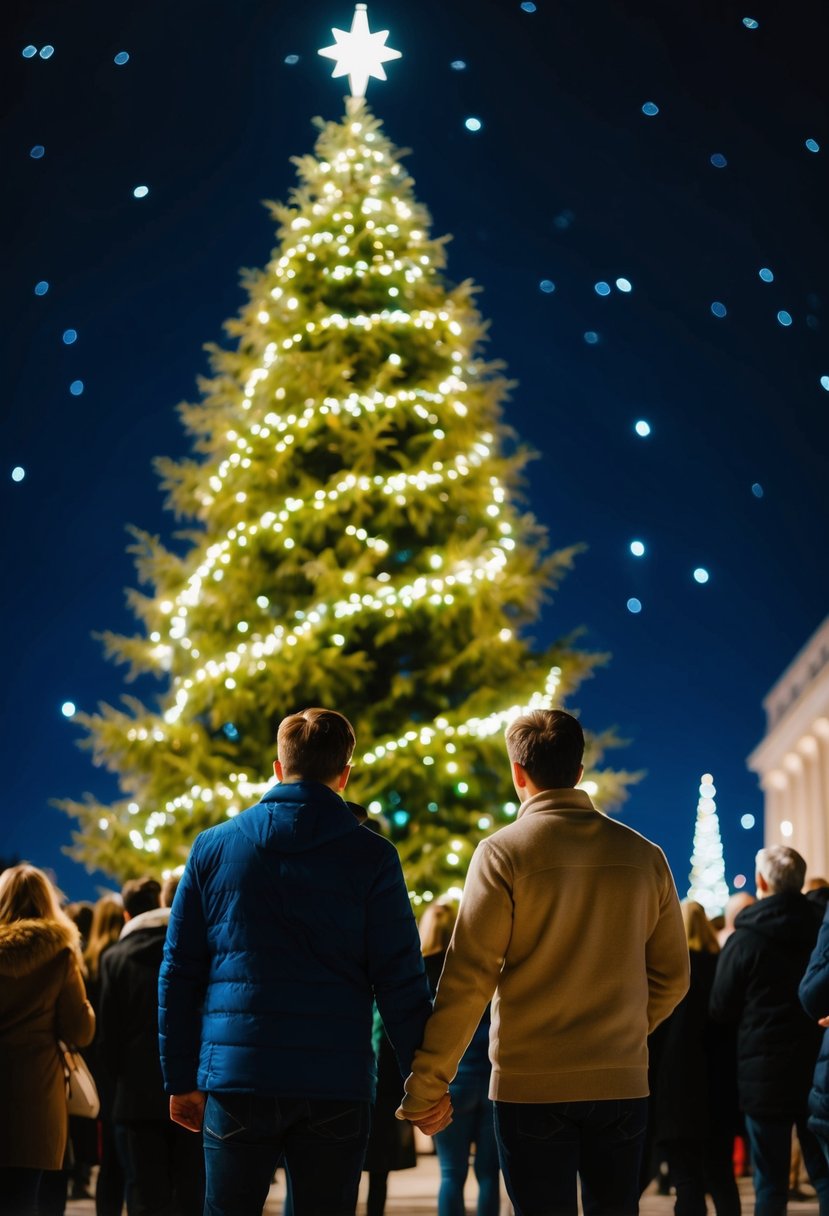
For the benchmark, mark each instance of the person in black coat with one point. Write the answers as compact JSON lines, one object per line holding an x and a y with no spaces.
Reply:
{"x":756,"y":988}
{"x":164,"y":1164}
{"x":693,"y":1106}
{"x":814,"y":996}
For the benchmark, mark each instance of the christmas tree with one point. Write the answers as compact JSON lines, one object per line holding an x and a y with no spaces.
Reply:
{"x":708,"y":886}
{"x":354,"y":542}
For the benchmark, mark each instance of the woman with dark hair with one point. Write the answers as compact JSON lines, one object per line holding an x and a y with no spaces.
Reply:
{"x":42,"y":999}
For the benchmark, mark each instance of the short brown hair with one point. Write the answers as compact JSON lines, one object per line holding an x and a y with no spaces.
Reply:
{"x":549,"y":746}
{"x":141,"y":895}
{"x":315,"y":744}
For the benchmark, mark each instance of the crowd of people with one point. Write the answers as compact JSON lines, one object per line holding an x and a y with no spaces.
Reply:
{"x":278,"y":1006}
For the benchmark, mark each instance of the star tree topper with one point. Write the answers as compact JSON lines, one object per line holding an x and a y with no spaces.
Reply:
{"x":359,"y":54}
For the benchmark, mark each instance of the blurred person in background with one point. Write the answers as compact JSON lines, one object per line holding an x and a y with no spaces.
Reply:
{"x":107,"y":923}
{"x":473,"y":1112}
{"x":164,"y":1165}
{"x":733,"y":908}
{"x":756,"y":989}
{"x":42,"y":1000}
{"x":694,"y":1109}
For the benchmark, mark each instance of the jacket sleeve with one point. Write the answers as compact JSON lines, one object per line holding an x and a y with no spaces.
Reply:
{"x":667,"y":960}
{"x":109,"y":1024}
{"x":395,"y":963}
{"x":814,"y":987}
{"x":728,"y":992}
{"x":469,"y":978}
{"x":182,"y":982}
{"x":74,"y":1016}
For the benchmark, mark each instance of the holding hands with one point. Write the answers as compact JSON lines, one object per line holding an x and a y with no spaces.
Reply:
{"x":432,"y":1120}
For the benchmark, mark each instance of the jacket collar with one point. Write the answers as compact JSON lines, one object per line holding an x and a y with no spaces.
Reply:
{"x":557,"y":800}
{"x":27,"y":944}
{"x":156,"y":918}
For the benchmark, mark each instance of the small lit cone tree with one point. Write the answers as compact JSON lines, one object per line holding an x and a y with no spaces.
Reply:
{"x":354,"y":543}
{"x":708,"y":886}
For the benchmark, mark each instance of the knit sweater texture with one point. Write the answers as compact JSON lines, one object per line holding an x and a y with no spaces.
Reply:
{"x":570,"y":924}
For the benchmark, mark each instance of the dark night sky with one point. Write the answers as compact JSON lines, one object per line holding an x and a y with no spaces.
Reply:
{"x":206,"y":113}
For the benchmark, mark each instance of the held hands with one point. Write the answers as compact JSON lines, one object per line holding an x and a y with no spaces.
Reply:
{"x":432,"y":1120}
{"x":188,"y":1110}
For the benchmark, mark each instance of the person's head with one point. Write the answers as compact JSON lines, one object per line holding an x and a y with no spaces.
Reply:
{"x":107,"y":922}
{"x":315,"y":745}
{"x":545,"y":748}
{"x":81,"y":914}
{"x":816,"y":884}
{"x":435,"y":926}
{"x":27,"y":894}
{"x":698,"y":928}
{"x":168,"y":890}
{"x":140,"y":895}
{"x":735,"y":905}
{"x":779,"y":869}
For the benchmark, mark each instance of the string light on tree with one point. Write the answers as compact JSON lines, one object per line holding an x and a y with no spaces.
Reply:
{"x":353,"y":539}
{"x":708,"y":886}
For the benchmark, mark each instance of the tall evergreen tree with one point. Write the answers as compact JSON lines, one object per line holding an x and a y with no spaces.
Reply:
{"x":708,"y":886}
{"x":354,"y":542}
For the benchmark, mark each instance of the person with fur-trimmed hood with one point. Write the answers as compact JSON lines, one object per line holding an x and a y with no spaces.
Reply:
{"x":42,"y":999}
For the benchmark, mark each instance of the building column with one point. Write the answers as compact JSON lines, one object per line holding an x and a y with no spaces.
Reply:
{"x":821,"y":809}
{"x":797,"y":811}
{"x":774,"y":789}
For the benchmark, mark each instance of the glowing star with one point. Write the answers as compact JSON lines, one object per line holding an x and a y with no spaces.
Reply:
{"x":359,"y":54}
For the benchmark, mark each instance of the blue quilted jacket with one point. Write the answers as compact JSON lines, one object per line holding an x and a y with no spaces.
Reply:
{"x":289,"y":921}
{"x":814,"y":996}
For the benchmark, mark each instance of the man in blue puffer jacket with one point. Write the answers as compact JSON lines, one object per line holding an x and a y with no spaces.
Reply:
{"x":289,"y":922}
{"x":814,"y":997}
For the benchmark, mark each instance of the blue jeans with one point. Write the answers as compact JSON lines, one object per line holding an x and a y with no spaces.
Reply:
{"x":771,"y":1150}
{"x":544,"y":1146}
{"x":322,"y":1143}
{"x":472,"y":1123}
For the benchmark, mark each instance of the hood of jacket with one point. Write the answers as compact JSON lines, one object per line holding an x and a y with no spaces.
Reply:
{"x":156,"y":918}
{"x":26,"y":945}
{"x":296,"y":816}
{"x":788,"y":917}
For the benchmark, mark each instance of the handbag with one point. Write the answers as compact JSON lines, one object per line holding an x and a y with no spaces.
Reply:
{"x":81,"y":1092}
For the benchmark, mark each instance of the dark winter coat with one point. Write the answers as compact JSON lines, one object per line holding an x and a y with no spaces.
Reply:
{"x":42,"y":999}
{"x":756,"y":985}
{"x":128,"y":1056}
{"x":289,"y":921}
{"x":814,"y":995}
{"x":693,"y":1065}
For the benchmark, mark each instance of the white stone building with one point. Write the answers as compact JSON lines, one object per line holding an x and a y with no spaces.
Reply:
{"x":792,"y":761}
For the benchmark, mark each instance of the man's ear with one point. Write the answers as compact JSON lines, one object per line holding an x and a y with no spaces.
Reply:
{"x":342,"y":781}
{"x":277,"y":769}
{"x":581,"y":774}
{"x":519,"y":776}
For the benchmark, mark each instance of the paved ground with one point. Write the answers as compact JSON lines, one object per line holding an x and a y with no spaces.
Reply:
{"x":413,"y":1193}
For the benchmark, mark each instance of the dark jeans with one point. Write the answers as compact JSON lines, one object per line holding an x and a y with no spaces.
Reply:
{"x":472,"y":1123}
{"x":18,"y":1191}
{"x":323,"y":1143}
{"x":544,"y":1146}
{"x":699,"y":1166}
{"x":164,"y":1167}
{"x":771,"y":1151}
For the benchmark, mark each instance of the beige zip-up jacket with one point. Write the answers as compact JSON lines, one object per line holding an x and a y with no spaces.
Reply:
{"x":571,"y":925}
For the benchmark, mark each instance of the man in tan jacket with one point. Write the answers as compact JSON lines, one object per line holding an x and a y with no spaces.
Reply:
{"x":571,"y":926}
